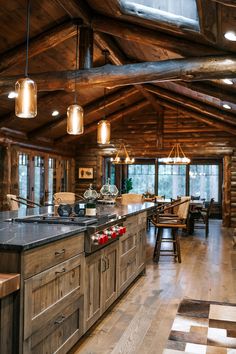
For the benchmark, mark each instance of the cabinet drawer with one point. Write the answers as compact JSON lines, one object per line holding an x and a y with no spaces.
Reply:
{"x":128,"y":267}
{"x":47,"y":292}
{"x":142,"y":218}
{"x":127,"y":242}
{"x":131,"y":221}
{"x":60,"y":333}
{"x":41,"y":258}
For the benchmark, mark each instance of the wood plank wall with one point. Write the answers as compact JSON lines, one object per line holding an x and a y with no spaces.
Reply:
{"x":233,"y":191}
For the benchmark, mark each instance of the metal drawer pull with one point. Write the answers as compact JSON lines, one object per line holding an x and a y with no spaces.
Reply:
{"x":60,"y":320}
{"x":104,"y":268}
{"x":60,"y":271}
{"x":59,"y":253}
{"x":108,"y":262}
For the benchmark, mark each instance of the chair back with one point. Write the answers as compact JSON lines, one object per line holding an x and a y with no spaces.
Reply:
{"x":183,"y":208}
{"x":64,"y":197}
{"x":129,"y":198}
{"x":12,"y":202}
{"x":210,"y":207}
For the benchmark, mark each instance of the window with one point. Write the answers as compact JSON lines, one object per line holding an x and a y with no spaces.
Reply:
{"x":23,"y":170}
{"x":51,"y":180}
{"x":143,"y":178}
{"x":204,"y":181}
{"x":171,"y":180}
{"x":110,"y":171}
{"x":174,"y":12}
{"x":39,"y":179}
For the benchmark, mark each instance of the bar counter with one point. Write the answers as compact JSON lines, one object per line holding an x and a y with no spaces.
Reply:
{"x":23,"y":236}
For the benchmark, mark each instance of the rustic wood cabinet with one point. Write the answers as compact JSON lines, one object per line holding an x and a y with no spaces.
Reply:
{"x":141,"y":242}
{"x":101,"y":282}
{"x":53,"y":298}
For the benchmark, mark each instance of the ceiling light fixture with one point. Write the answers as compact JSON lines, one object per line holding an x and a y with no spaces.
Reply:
{"x":26,"y":88}
{"x":176,"y":156}
{"x":55,"y":113}
{"x":122,"y":157}
{"x":226,"y":106}
{"x":75,"y":113}
{"x":230,"y":35}
{"x":228,"y":81}
{"x":104,"y":126}
{"x":12,"y":94}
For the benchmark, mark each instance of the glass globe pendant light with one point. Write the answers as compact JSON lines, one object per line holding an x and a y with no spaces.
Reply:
{"x":104,"y":126}
{"x":26,"y":88}
{"x":75,"y":113}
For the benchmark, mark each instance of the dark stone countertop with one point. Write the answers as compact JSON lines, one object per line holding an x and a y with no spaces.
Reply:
{"x":24,"y":236}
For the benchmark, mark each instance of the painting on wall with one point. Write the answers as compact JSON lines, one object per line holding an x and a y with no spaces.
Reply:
{"x":85,"y":173}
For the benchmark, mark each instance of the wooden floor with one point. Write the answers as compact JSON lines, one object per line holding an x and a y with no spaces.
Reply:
{"x":140,"y":322}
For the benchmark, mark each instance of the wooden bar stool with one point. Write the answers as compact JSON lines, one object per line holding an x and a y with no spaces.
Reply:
{"x":174,"y":222}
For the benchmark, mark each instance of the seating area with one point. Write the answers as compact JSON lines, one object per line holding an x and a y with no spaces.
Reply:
{"x":174,"y":217}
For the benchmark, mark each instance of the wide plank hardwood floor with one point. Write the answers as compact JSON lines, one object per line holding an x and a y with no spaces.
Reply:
{"x":140,"y":322}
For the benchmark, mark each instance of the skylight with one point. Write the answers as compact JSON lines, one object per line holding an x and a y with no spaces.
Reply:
{"x":180,"y":13}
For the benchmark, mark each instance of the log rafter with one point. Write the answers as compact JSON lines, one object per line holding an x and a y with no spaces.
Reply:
{"x":192,"y":69}
{"x":176,"y":102}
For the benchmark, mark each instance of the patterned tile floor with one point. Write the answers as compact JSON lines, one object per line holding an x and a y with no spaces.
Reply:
{"x":203,"y":327}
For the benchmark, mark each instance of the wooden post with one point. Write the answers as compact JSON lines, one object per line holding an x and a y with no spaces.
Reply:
{"x":226,"y":200}
{"x":86,"y":48}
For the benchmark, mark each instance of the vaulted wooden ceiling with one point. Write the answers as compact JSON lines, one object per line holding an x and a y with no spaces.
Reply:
{"x":177,"y":94}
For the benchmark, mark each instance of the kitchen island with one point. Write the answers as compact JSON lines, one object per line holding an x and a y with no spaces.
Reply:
{"x":63,"y":289}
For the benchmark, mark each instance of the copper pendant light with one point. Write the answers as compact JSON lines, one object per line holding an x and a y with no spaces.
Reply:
{"x":75,"y":113}
{"x":26,"y":88}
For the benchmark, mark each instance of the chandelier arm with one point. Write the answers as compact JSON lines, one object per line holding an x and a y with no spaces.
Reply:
{"x":171,"y":151}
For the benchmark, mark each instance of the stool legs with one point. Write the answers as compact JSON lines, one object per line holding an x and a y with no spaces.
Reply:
{"x":174,"y":240}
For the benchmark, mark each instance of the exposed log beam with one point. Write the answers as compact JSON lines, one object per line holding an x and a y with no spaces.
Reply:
{"x":174,"y":103}
{"x":208,"y":111}
{"x":142,"y":35}
{"x":111,"y":118}
{"x":192,"y":69}
{"x":85,"y":48}
{"x":38,"y":44}
{"x":209,"y":89}
{"x":226,"y":2}
{"x":96,"y":106}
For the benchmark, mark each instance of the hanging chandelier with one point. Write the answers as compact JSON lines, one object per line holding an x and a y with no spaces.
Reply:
{"x":122,"y":157}
{"x":75,"y":113}
{"x":26,"y":88}
{"x":176,"y":156}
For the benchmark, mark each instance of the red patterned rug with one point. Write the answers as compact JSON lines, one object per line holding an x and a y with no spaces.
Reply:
{"x":203,"y":327}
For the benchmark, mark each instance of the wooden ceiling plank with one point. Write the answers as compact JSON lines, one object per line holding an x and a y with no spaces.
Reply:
{"x":136,"y":33}
{"x":76,"y":9}
{"x":226,"y":2}
{"x":96,"y":106}
{"x":38,"y":44}
{"x":111,"y":118}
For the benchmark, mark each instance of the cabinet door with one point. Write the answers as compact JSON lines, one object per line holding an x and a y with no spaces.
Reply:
{"x":110,"y":275}
{"x":62,"y":331}
{"x":47,"y":292}
{"x":141,"y":249}
{"x":93,"y":268}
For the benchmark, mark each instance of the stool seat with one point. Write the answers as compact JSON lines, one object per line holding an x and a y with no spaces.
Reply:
{"x":9,"y":283}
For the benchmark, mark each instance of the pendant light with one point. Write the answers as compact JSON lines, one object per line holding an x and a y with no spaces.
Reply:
{"x":75,"y":113}
{"x":176,"y":155}
{"x":104,"y":126}
{"x":26,"y":88}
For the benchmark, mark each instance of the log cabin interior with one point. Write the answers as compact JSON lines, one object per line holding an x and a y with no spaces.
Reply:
{"x":162,"y":74}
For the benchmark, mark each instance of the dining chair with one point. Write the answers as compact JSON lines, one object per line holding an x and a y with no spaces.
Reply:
{"x":201,"y":216}
{"x":173,"y":221}
{"x":131,"y":198}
